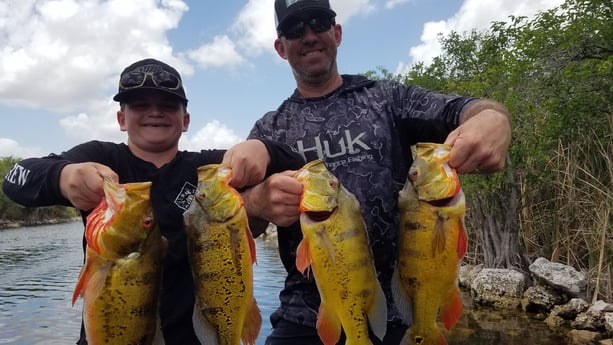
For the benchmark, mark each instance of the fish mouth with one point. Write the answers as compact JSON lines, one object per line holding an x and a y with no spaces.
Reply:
{"x":441,"y":202}
{"x":319,"y":216}
{"x":447,"y":202}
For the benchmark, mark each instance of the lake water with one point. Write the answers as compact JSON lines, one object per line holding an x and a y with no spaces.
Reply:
{"x":39,"y":267}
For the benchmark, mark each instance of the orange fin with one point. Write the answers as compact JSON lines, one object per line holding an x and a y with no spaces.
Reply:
{"x":462,"y":241}
{"x":251,"y":245}
{"x":451,"y":312}
{"x":328,"y":326}
{"x":92,"y":276}
{"x":252,"y":324}
{"x":303,"y":256}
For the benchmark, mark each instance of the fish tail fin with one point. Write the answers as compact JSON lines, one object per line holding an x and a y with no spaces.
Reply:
{"x":92,"y":275}
{"x":462,"y":241}
{"x":328,"y":326}
{"x":377,"y":314}
{"x":252,"y":324}
{"x":303,"y":256}
{"x":451,"y":312}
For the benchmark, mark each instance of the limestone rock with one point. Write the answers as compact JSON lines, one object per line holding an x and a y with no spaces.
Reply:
{"x":559,"y":276}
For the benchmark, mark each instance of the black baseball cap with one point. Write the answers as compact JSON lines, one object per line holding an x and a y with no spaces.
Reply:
{"x":285,"y":9}
{"x":150,"y":74}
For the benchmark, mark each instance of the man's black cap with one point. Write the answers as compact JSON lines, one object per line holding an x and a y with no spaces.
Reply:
{"x":285,"y":9}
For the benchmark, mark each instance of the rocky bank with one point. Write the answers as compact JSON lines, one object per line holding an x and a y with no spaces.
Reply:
{"x":553,"y":292}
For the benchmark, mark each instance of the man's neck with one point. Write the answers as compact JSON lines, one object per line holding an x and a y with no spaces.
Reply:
{"x":313,"y":90}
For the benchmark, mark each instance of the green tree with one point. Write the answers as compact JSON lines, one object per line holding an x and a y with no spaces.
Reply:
{"x":554,"y":72}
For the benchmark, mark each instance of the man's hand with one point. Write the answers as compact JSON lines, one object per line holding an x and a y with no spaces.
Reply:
{"x":248,"y":161}
{"x":481,"y":142}
{"x":276,"y":199}
{"x":82,"y":183}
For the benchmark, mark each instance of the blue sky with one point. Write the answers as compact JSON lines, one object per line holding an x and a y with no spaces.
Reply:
{"x":60,"y":60}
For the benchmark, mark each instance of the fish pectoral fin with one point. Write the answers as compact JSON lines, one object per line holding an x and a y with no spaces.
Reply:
{"x":93,"y":275}
{"x":328,"y":326}
{"x":438,"y":235}
{"x":451,"y":312}
{"x":251,"y":245}
{"x":303,"y":256}
{"x":252,"y":324}
{"x":204,"y":330}
{"x":402,"y":300}
{"x":462,"y":241}
{"x":377,"y":314}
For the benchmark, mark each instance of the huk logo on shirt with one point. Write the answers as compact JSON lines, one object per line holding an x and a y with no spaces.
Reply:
{"x":18,"y":175}
{"x":346,"y":145}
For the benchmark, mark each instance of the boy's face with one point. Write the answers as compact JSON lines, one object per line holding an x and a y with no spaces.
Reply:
{"x":154,"y":120}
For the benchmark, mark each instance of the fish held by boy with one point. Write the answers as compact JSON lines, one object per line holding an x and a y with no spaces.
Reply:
{"x":432,"y":241}
{"x":222,"y":252}
{"x":335,"y":247}
{"x":120,"y":280}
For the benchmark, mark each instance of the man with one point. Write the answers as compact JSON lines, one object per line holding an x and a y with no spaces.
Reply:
{"x":363,"y":131}
{"x":153,"y":112}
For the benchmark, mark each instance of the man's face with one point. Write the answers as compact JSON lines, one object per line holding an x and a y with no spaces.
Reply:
{"x":154,"y":120}
{"x":313,"y":54}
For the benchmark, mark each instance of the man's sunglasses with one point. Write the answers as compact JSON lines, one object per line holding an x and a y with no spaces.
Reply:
{"x":296,"y":29}
{"x":159,"y":78}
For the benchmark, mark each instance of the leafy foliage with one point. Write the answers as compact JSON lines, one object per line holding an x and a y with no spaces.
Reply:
{"x":555,"y":74}
{"x":11,"y":212}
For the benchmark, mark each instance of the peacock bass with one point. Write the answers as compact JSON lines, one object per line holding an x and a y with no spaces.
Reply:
{"x":221,"y":252}
{"x":120,"y":280}
{"x":335,"y":246}
{"x":431,"y":241}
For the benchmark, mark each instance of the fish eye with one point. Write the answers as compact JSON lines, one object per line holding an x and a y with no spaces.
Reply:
{"x":148,"y":222}
{"x":413,"y":173}
{"x":201,"y":196}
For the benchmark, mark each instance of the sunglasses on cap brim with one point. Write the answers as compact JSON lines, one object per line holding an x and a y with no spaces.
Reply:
{"x":161,"y":79}
{"x":295,"y":29}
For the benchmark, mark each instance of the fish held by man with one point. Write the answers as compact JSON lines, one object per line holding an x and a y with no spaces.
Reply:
{"x":120,"y":280}
{"x":222,"y":253}
{"x":432,"y":241}
{"x":335,"y":247}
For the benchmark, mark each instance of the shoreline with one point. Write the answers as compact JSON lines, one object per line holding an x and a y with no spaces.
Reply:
{"x":12,"y":224}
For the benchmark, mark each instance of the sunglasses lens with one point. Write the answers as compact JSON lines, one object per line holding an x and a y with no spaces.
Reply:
{"x":294,"y":30}
{"x":320,"y":24}
{"x":165,"y":80}
{"x":317,"y":24}
{"x":132,"y":79}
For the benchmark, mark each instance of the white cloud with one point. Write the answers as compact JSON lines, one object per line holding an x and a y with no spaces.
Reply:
{"x":11,"y":148}
{"x":58,"y":54}
{"x":474,"y":14}
{"x":220,"y":53}
{"x":390,"y":4}
{"x":214,"y":135}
